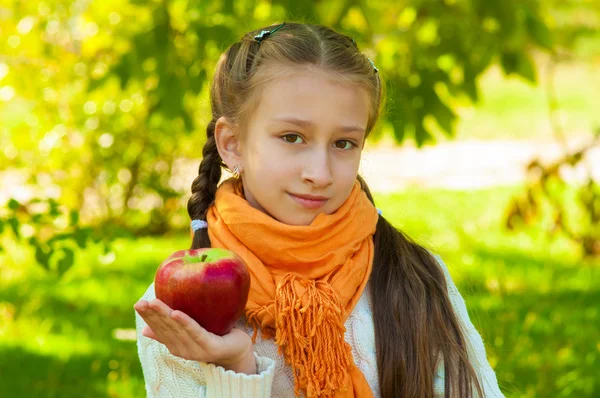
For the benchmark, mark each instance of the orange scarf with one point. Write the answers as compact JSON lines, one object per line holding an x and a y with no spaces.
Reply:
{"x":305,"y":281}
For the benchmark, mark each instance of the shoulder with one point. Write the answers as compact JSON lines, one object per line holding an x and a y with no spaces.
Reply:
{"x":452,"y":289}
{"x":457,"y":300}
{"x":441,"y":264}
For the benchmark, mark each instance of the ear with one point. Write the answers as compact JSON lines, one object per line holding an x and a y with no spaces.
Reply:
{"x":228,"y":143}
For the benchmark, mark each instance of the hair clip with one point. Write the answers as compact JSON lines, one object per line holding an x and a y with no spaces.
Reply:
{"x":372,"y":63}
{"x":266,"y":33}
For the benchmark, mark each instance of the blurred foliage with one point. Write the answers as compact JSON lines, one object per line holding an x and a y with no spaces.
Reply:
{"x":558,"y":206}
{"x":54,"y":236}
{"x":575,"y":26}
{"x":101,"y":101}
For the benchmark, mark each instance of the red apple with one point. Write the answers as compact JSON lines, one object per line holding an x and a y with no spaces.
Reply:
{"x":211,"y":285}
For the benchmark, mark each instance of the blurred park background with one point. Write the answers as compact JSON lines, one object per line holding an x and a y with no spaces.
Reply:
{"x":486,"y":153}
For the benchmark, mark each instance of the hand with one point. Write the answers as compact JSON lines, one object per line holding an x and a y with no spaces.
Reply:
{"x":185,"y":338}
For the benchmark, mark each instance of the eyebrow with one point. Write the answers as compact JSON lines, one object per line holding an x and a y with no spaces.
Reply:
{"x":308,"y":124}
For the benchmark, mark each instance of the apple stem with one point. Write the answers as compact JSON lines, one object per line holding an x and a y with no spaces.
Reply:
{"x":195,"y":259}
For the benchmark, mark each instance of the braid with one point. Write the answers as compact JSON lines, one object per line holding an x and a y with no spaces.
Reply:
{"x":204,"y":186}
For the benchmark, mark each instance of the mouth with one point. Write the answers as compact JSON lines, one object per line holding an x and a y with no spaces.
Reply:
{"x":309,"y":202}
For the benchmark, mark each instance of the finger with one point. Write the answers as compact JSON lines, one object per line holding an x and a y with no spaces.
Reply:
{"x":179,"y":333}
{"x":153,"y":317}
{"x":140,"y":306}
{"x":171,"y":333}
{"x":159,"y":306}
{"x":159,"y":309}
{"x":168,"y":330}
{"x":194,"y":330}
{"x":145,"y":312}
{"x":147,"y":332}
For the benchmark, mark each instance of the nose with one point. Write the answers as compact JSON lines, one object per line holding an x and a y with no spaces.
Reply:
{"x":317,"y":169}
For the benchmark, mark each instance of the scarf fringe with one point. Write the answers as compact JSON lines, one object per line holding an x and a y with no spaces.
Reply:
{"x":253,"y":319}
{"x":311,"y":336}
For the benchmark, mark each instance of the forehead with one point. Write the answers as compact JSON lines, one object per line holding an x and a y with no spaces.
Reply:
{"x":313,"y":94}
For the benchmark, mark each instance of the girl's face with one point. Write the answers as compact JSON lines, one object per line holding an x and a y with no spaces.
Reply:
{"x":304,"y":139}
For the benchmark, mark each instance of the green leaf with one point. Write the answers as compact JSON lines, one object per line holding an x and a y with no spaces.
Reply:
{"x":197,"y":82}
{"x":43,"y":257}
{"x":509,"y":61}
{"x":445,"y":118}
{"x":470,"y":88}
{"x":421,"y":135}
{"x":58,"y":237}
{"x":399,"y":132}
{"x":161,"y":32}
{"x":519,"y":63}
{"x":122,"y":71}
{"x":81,"y":237}
{"x":1,"y":226}
{"x":66,"y":261}
{"x":14,"y":225}
{"x":539,"y":31}
{"x":171,"y":94}
{"x":526,"y":68}
{"x":74,"y":217}
{"x":13,"y":204}
{"x":94,"y":84}
{"x":54,"y":208}
{"x":187,"y":121}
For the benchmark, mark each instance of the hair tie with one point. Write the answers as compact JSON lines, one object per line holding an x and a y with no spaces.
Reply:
{"x":198,"y":224}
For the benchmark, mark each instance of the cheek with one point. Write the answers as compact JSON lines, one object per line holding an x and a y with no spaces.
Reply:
{"x":348,"y":174}
{"x":267,"y":164}
{"x":348,"y":169}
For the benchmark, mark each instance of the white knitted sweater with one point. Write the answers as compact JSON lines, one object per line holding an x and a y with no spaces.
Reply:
{"x":169,"y":376}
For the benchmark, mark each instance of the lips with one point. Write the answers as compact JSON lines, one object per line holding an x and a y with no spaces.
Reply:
{"x":310,"y":197}
{"x":309,"y":201}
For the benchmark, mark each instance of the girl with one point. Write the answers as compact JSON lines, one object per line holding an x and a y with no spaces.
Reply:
{"x":346,"y":305}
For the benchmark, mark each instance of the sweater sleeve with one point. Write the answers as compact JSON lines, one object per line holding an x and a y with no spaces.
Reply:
{"x":475,"y":346}
{"x":166,"y":375}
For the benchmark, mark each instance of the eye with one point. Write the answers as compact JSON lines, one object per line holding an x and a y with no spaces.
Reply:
{"x":293,"y":136}
{"x":349,"y":144}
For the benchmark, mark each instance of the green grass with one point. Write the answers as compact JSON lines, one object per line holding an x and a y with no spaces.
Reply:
{"x":534,"y":302}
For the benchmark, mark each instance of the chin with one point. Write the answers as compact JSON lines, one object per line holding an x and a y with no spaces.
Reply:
{"x":298,"y":221}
